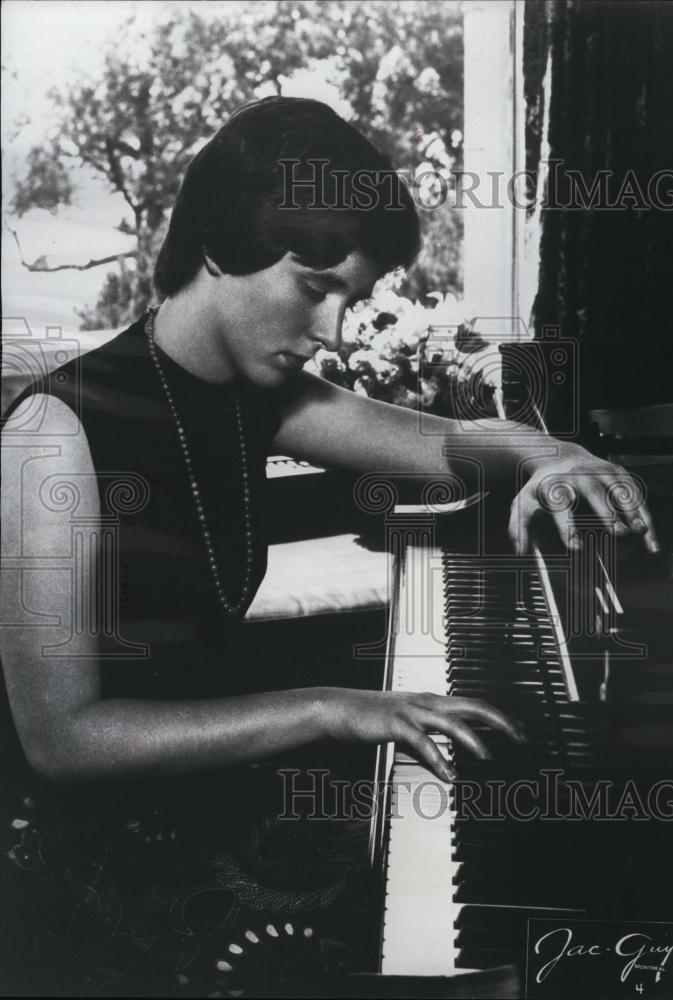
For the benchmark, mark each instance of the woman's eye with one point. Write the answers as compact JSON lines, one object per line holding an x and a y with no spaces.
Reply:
{"x":313,"y":293}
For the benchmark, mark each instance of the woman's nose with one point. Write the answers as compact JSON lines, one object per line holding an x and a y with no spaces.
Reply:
{"x":328,"y":330}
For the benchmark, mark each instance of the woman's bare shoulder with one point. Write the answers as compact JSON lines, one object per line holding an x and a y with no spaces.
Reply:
{"x":38,"y":415}
{"x":44,"y":440}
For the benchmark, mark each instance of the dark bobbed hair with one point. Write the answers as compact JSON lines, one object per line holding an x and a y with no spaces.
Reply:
{"x":229,"y":203}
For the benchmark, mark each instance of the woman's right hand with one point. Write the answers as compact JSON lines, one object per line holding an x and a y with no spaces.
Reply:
{"x":410,"y":718}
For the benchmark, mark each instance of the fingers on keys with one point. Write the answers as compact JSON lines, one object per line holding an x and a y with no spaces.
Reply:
{"x":523,"y":508}
{"x":457,"y":730}
{"x":482,"y":711}
{"x":446,"y":716}
{"x":426,"y":751}
{"x":626,"y":499}
{"x":615,"y":498}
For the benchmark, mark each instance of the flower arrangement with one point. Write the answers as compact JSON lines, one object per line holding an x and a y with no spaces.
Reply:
{"x":424,"y":357}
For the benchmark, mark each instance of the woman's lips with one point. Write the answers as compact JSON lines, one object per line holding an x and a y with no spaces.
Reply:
{"x":291,"y":360}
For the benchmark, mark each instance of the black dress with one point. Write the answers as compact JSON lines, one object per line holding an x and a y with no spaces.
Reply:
{"x":148,"y":887}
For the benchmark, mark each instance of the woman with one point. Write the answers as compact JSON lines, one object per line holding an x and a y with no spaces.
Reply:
{"x":136,"y":484}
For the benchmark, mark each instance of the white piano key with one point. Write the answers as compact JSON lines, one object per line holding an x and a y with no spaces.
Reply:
{"x":420,"y":655}
{"x":418,"y":931}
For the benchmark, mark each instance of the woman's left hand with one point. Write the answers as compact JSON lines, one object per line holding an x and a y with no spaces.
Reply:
{"x":558,"y":484}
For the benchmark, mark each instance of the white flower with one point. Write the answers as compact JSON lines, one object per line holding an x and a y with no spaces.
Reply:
{"x":360,"y":360}
{"x":412,"y":327}
{"x":354,"y":323}
{"x":379,"y":353}
{"x":384,"y":343}
{"x":366,"y":335}
{"x":386,"y":300}
{"x":323,"y":355}
{"x":324,"y":362}
{"x":386,"y":371}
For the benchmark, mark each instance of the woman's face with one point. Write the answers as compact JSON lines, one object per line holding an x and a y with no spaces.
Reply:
{"x":270,"y":323}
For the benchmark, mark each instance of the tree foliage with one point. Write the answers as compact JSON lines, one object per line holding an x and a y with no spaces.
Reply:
{"x":398,"y":65}
{"x":46,"y":183}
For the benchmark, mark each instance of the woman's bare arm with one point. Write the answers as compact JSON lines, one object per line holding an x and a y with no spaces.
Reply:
{"x":69,"y":731}
{"x":332,"y":426}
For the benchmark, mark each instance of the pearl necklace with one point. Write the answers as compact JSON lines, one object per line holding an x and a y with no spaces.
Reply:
{"x":227,"y":606}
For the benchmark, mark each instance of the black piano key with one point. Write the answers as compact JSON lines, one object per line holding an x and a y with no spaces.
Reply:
{"x":483,"y":958}
{"x":497,"y":918}
{"x":512,"y":894}
{"x":506,"y":936}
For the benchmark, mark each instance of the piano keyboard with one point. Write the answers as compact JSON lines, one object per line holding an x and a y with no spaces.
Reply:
{"x":482,"y":630}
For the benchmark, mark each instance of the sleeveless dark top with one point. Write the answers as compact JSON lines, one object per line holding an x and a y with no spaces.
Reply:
{"x":135,"y":888}
{"x":162,"y":632}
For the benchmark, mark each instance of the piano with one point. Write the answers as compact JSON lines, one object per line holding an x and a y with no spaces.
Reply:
{"x":459,"y":873}
{"x":456,"y":875}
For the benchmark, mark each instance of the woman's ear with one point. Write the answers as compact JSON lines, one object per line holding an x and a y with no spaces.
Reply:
{"x":211,"y":266}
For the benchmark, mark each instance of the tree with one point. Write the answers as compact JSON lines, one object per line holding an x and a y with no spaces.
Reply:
{"x":46,"y":183}
{"x":398,"y":65}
